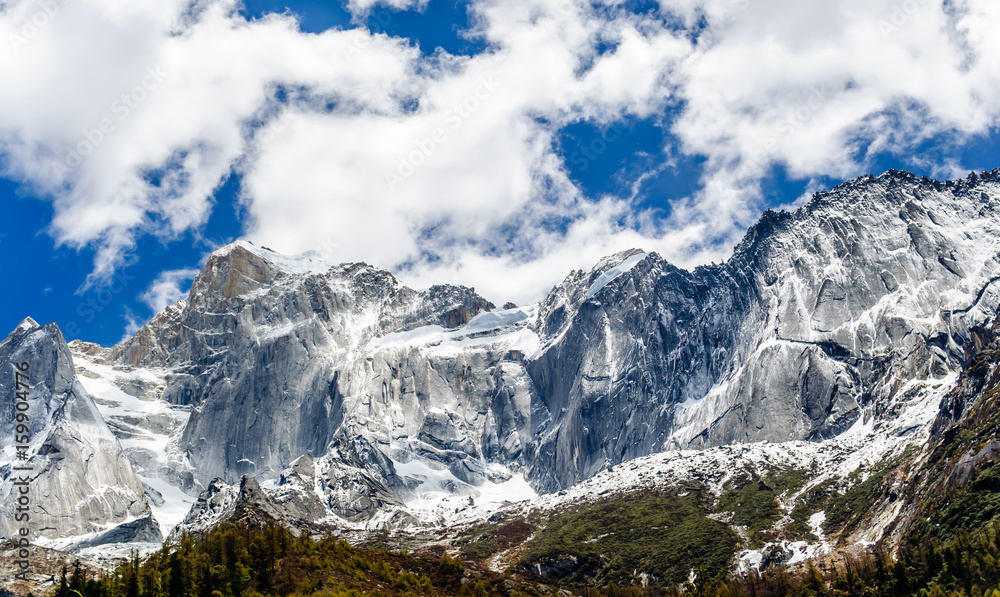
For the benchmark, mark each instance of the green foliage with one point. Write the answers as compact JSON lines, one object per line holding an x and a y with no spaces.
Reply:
{"x":815,"y":500}
{"x":799,"y":527}
{"x":450,"y":566}
{"x":663,"y":534}
{"x":753,"y":504}
{"x":235,"y":560}
{"x":969,"y":507}
{"x":846,"y":511}
{"x":966,"y":566}
{"x":488,"y":539}
{"x":950,"y":505}
{"x":481,"y":548}
{"x":754,"y":501}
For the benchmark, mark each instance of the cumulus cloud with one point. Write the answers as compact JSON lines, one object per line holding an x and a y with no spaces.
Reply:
{"x":127,"y":115}
{"x":168,"y":288}
{"x":821,"y":88}
{"x":363,"y":7}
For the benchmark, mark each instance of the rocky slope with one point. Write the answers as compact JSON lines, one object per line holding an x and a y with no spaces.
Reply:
{"x":952,"y":485}
{"x":81,"y":485}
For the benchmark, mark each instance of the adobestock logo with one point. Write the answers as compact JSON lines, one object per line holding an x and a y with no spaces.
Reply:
{"x":361,"y":38}
{"x":34,"y":24}
{"x":734,"y":8}
{"x":900,"y":16}
{"x":586,"y":155}
{"x":267,"y":134}
{"x":121,"y":108}
{"x":453,"y":118}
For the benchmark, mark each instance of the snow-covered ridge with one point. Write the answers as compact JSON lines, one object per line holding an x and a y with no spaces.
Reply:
{"x":81,"y":482}
{"x":613,"y":273}
{"x":149,"y":431}
{"x":509,"y":328}
{"x":306,"y":263}
{"x":840,"y":324}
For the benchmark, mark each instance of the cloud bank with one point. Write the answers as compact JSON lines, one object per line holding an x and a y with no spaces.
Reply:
{"x":128,"y":115}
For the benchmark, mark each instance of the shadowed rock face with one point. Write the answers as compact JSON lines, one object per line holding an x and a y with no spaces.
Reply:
{"x":81,"y":480}
{"x":818,"y":319}
{"x":809,"y":327}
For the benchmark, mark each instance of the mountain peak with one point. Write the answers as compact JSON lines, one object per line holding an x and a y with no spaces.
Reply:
{"x":82,"y":476}
{"x":28,"y":325}
{"x":231,"y":271}
{"x":308,"y":262}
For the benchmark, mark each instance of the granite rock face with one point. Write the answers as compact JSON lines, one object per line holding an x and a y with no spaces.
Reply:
{"x":817,"y":322}
{"x":819,"y":319}
{"x":81,"y":481}
{"x":335,"y":394}
{"x":273,"y":358}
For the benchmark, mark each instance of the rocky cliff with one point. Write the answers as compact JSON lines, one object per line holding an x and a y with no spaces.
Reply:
{"x":819,"y":320}
{"x":347,"y":395}
{"x":80,"y":482}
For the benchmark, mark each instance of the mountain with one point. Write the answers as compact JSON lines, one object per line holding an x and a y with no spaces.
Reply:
{"x":808,"y":367}
{"x":81,"y":486}
{"x":955,"y":481}
{"x":806,"y":330}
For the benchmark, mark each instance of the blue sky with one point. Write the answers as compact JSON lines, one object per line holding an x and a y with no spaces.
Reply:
{"x":595,"y":167}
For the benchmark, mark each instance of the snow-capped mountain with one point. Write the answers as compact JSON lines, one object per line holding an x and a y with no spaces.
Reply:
{"x":352,"y":399}
{"x":78,"y":484}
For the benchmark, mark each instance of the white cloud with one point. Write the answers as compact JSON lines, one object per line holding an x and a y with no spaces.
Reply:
{"x":132,"y":325}
{"x":445,"y":168}
{"x":819,"y":88}
{"x":91,"y":64}
{"x":168,"y":288}
{"x":364,"y":7}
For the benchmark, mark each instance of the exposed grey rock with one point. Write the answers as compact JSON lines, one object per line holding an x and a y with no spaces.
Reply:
{"x":345,"y":392}
{"x":807,"y":328}
{"x":81,"y":481}
{"x":265,"y":355}
{"x":295,"y":503}
{"x":353,"y":481}
{"x":141,"y":530}
{"x":215,"y":505}
{"x":815,"y":320}
{"x":296,"y":492}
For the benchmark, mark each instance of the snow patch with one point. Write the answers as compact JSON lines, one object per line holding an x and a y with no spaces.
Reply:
{"x":28,"y":325}
{"x":174,"y":507}
{"x":613,"y":273}
{"x":511,"y":325}
{"x":307,"y":263}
